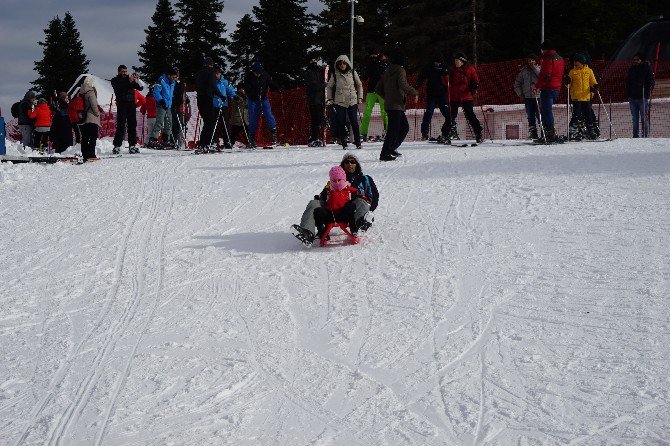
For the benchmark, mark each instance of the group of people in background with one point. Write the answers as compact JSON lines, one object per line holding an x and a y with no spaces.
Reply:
{"x":544,"y":77}
{"x":228,"y":111}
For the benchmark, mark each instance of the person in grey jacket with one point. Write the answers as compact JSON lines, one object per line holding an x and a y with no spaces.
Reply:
{"x":345,"y":91}
{"x":89,"y":128}
{"x":393,"y":87}
{"x":523,"y":87}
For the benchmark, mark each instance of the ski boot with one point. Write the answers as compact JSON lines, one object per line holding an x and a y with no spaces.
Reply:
{"x":453,"y":132}
{"x":591,"y":132}
{"x":573,"y":133}
{"x":443,"y":139}
{"x":532,"y":132}
{"x":364,"y":222}
{"x":273,"y":136}
{"x":133,"y":149}
{"x":304,"y":235}
{"x":479,"y":138}
{"x":154,"y":144}
{"x":167,"y":145}
{"x":116,"y":150}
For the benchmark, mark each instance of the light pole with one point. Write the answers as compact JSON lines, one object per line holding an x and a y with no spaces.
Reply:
{"x":542,"y":23}
{"x":358,"y":19}
{"x":351,"y":37}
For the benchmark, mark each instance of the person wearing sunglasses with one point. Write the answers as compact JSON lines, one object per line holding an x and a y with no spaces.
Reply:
{"x":639,"y":84}
{"x":364,"y":203}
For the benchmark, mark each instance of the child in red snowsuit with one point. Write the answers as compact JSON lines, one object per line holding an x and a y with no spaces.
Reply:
{"x":338,"y":196}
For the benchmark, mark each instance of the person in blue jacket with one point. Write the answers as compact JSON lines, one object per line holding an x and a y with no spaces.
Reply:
{"x":257,"y":82}
{"x":163,"y":91}
{"x":221,"y":107}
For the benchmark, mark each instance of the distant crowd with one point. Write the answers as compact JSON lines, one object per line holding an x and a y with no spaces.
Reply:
{"x":229,"y":112}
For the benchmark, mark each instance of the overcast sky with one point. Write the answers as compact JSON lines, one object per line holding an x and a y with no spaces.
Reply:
{"x":111,"y":30}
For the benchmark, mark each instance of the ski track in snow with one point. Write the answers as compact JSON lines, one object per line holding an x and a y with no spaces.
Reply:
{"x":504,"y":295}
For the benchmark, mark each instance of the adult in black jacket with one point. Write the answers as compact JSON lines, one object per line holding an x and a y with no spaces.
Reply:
{"x":124,"y":90}
{"x":376,"y":64}
{"x":205,"y":84}
{"x":257,"y":83}
{"x":436,"y":95}
{"x":315,"y":88}
{"x":639,"y":84}
{"x":61,"y":128}
{"x":178,"y":122}
{"x":26,"y":124}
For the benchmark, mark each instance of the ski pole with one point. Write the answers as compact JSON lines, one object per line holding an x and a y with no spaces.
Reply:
{"x":244,"y":125}
{"x":181,"y":131}
{"x":211,"y":142}
{"x":644,"y":114}
{"x":225,"y":129}
{"x":567,"y":106}
{"x":607,"y":114}
{"x":486,"y":122}
{"x":196,"y":135}
{"x":539,"y":114}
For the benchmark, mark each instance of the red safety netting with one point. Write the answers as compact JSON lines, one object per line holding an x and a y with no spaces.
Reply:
{"x":497,"y":107}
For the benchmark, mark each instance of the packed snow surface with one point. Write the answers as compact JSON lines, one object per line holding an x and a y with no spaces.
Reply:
{"x":506,"y":295}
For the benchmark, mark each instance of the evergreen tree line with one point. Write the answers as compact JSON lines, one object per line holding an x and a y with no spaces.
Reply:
{"x":283,"y":35}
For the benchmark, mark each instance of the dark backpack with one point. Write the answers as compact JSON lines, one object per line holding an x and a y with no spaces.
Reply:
{"x":75,"y":110}
{"x":16,"y":109}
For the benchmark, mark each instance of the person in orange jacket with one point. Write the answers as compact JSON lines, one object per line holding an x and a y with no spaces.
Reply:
{"x":42,"y":116}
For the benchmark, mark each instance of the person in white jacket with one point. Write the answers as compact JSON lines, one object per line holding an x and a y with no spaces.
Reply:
{"x":345,"y":92}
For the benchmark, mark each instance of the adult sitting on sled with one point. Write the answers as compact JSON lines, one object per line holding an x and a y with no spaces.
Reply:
{"x":365,"y":204}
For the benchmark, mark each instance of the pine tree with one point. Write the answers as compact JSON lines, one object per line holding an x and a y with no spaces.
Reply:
{"x":63,"y":57}
{"x":75,"y":61}
{"x":202,"y":35}
{"x":285,"y":36}
{"x":161,"y":48}
{"x":243,"y":47}
{"x":334,"y":28}
{"x":49,"y":68}
{"x":427,"y":27}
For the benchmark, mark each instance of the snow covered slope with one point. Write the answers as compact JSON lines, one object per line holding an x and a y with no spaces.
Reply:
{"x":505,"y":295}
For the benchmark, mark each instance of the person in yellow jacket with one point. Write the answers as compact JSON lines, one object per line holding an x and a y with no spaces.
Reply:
{"x":582,"y":84}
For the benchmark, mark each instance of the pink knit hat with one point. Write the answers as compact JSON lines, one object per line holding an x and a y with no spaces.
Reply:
{"x":337,"y":173}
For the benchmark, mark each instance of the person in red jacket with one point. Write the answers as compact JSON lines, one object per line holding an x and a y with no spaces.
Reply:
{"x":549,"y":84}
{"x":339,"y":197}
{"x":463,"y":87}
{"x":149,"y":109}
{"x":42,"y":116}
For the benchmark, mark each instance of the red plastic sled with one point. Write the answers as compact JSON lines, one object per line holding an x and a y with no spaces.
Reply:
{"x":343,"y":226}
